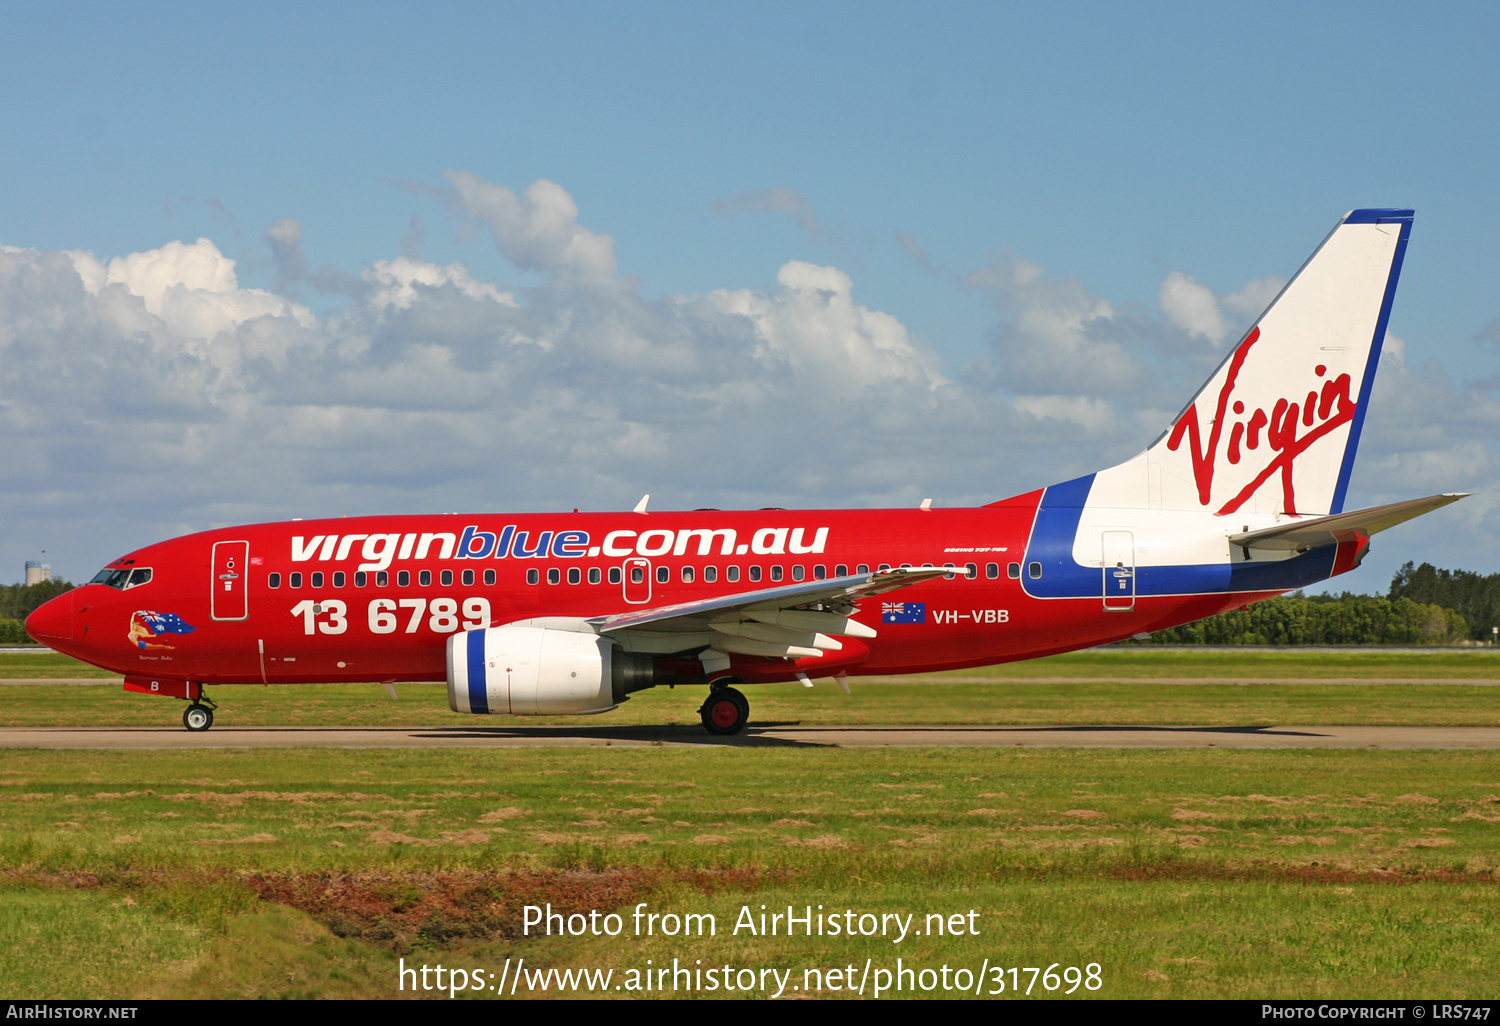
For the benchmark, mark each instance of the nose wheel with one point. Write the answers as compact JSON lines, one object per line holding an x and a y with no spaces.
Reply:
{"x":726,"y":711}
{"x":197,"y":717}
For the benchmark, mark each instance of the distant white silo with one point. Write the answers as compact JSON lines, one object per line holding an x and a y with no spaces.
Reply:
{"x":37,"y":573}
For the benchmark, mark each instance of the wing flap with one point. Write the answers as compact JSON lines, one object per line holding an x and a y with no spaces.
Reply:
{"x":696,"y":616}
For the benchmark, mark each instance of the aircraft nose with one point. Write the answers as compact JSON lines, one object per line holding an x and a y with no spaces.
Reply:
{"x":52,"y":621}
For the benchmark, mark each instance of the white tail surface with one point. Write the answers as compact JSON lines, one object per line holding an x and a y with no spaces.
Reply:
{"x":1274,"y":430}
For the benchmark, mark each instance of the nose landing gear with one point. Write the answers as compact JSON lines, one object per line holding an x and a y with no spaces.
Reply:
{"x":198,"y":717}
{"x":725,"y":712}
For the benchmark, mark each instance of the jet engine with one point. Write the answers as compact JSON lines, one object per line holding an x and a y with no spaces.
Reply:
{"x":546,"y":671}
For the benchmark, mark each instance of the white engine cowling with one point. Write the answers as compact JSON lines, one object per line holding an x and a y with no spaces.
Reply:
{"x":529,"y":671}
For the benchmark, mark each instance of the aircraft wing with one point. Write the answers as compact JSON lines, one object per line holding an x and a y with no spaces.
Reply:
{"x":790,"y":621}
{"x":690,"y":616}
{"x":1311,"y":532}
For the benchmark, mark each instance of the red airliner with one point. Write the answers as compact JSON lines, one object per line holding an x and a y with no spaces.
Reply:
{"x":1240,"y":499}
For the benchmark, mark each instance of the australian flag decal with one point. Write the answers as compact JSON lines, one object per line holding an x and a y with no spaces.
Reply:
{"x":164,"y":623}
{"x":903,"y":612}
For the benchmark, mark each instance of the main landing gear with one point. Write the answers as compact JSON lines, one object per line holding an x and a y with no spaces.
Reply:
{"x":725,"y":712}
{"x":198,"y":717}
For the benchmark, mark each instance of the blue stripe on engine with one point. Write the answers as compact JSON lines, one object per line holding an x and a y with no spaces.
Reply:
{"x":479,"y":700}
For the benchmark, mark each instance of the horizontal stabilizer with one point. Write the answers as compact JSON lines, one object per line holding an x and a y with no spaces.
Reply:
{"x":1312,"y":532}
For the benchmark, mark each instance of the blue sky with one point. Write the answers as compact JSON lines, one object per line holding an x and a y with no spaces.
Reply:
{"x":715,"y":144}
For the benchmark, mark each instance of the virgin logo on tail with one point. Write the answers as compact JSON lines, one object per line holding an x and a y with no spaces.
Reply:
{"x":1316,"y":414}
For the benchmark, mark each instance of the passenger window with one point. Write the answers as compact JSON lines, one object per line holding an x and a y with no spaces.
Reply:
{"x":776,"y":573}
{"x":446,"y":577}
{"x":820,"y":572}
{"x":663,"y":575}
{"x":884,"y":567}
{"x":637,"y":575}
{"x":907,"y":566}
{"x":710,"y":574}
{"x":274,"y":581}
{"x":575,"y":575}
{"x":424,"y":578}
{"x":950,"y":568}
{"x":489,"y":577}
{"x":863,"y":568}
{"x":468,"y":578}
{"x":614,"y":575}
{"x":1013,"y":571}
{"x":971,"y":571}
{"x":317,"y":579}
{"x":992,"y":570}
{"x":594,"y":576}
{"x":403,"y":578}
{"x":798,"y":573}
{"x":382,"y":578}
{"x":732,"y":574}
{"x":360,"y":579}
{"x":1034,"y":570}
{"x":755,"y":573}
{"x":338,"y":578}
{"x":295,"y":580}
{"x":533,"y":576}
{"x":687,"y":575}
{"x":554,"y":575}
{"x":841,"y":571}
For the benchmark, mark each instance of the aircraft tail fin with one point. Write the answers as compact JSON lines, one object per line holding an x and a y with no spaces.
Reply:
{"x":1275,"y":429}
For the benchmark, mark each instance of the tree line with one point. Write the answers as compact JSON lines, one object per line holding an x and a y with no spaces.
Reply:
{"x":1425,"y":606}
{"x":1347,"y":619}
{"x":17,"y":602}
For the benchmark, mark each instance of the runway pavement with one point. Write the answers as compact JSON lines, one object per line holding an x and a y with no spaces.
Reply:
{"x":764,"y":735}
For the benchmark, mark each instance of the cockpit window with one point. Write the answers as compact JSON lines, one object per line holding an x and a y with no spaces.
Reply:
{"x":122,"y":578}
{"x":112,"y":577}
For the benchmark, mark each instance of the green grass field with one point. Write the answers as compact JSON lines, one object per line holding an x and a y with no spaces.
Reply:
{"x":1182,"y":873}
{"x":1194,"y":872}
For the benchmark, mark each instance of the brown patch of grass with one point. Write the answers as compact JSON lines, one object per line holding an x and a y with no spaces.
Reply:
{"x":823,"y":841}
{"x":437,"y":909}
{"x":1191,"y":815}
{"x":1312,"y":873}
{"x":440,"y":909}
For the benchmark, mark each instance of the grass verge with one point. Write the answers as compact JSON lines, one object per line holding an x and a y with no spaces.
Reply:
{"x":1182,"y":872}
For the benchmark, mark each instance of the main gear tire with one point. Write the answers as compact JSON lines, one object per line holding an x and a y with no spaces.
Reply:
{"x":726,"y":711}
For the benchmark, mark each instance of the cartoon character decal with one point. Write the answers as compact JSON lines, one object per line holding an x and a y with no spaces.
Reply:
{"x":147,"y":626}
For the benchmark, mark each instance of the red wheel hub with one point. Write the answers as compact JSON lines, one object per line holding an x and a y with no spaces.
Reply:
{"x":724,"y":712}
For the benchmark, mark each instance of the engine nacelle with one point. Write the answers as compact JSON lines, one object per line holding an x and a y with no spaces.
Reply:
{"x":530,"y":671}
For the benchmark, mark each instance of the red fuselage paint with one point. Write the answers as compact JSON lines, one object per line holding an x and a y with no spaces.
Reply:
{"x":235,"y":627}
